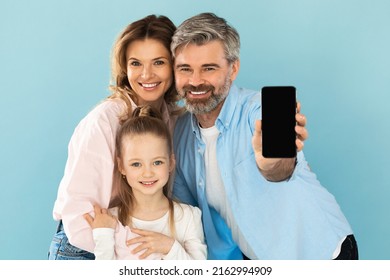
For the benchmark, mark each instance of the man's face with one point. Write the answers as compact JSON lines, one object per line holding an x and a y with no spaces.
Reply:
{"x":203,"y":76}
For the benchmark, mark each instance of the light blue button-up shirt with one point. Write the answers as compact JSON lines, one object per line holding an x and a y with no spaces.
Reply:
{"x":294,"y":219}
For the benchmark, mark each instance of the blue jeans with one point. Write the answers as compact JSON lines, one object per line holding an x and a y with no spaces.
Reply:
{"x":61,"y":249}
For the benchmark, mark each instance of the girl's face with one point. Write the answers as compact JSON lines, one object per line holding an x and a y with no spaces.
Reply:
{"x":149,"y":70}
{"x":146,"y":163}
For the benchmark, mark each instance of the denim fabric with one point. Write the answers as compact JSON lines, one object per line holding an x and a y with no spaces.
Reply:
{"x":61,"y":249}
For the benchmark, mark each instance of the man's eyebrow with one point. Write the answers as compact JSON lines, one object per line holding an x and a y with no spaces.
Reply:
{"x":211,"y":65}
{"x":203,"y":65}
{"x":182,"y":65}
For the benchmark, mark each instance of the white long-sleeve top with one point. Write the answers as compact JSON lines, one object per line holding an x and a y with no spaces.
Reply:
{"x":189,"y":243}
{"x":88,"y":176}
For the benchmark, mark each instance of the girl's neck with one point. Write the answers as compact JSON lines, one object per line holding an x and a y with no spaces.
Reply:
{"x":150,"y":208}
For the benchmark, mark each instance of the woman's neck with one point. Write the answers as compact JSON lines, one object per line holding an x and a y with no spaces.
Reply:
{"x":155,"y":104}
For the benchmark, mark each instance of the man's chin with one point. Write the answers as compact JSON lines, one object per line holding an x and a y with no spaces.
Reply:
{"x":199,"y":108}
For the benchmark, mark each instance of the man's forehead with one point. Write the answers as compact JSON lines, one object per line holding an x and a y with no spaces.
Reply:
{"x":211,"y":52}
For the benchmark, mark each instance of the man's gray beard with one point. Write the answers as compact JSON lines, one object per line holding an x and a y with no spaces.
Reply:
{"x":204,"y":107}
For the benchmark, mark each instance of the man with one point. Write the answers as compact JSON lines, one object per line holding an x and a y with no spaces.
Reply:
{"x":252,"y":207}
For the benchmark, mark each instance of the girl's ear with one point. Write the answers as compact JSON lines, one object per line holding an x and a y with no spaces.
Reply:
{"x":172,"y":163}
{"x":120,"y":166}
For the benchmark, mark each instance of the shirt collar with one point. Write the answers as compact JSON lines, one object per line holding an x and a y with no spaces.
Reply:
{"x":225,"y":116}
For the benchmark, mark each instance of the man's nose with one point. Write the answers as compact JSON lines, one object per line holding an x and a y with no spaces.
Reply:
{"x":196,"y":79}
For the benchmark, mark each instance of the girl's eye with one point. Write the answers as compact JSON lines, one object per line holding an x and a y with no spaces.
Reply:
{"x":158,"y":162}
{"x":136,"y":164}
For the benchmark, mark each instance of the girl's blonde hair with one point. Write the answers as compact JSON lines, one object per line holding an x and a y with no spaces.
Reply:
{"x":144,"y":120}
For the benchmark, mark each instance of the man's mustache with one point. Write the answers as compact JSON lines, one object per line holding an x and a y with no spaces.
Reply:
{"x":188,"y":88}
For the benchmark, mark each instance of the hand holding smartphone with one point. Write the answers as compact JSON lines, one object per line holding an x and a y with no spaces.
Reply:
{"x":278,"y":109}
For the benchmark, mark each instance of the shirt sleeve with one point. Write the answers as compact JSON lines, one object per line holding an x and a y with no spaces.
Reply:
{"x":89,"y":179}
{"x":88,"y":175}
{"x":193,"y":246}
{"x":104,"y":243}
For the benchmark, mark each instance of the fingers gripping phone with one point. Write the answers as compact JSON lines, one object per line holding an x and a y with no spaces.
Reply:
{"x":278,"y":109}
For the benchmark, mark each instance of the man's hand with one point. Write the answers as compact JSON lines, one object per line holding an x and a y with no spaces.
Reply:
{"x":279,"y":169}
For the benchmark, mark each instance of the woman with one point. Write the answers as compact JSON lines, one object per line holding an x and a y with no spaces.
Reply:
{"x":142,"y":75}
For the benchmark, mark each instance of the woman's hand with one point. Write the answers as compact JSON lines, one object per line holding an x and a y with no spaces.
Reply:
{"x":103,"y":218}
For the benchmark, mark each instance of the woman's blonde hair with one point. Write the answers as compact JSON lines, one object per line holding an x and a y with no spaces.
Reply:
{"x":159,"y":28}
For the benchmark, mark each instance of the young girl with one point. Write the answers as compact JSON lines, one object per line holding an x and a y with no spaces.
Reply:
{"x":145,"y":161}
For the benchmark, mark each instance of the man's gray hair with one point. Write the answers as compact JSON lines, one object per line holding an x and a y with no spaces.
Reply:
{"x":204,"y":28}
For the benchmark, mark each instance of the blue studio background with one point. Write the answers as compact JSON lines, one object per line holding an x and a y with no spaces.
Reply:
{"x":54,"y":67}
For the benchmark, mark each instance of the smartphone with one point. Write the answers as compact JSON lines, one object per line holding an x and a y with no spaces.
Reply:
{"x":278,"y":109}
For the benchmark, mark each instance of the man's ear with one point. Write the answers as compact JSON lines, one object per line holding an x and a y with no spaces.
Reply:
{"x":235,"y":69}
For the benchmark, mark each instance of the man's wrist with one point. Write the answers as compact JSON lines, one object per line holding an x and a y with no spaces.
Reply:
{"x":282,"y":170}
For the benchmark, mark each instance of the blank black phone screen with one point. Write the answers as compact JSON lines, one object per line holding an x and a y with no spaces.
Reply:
{"x":278,"y":109}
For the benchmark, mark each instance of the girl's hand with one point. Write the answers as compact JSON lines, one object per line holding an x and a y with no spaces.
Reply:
{"x":151,"y":242}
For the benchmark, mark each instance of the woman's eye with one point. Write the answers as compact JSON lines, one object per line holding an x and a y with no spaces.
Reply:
{"x":135,"y":63}
{"x":159,"y":62}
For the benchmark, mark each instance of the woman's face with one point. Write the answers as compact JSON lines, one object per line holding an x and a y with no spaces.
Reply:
{"x":149,"y":70}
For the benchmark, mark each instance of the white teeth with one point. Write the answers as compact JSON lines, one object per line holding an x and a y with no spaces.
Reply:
{"x":149,"y":85}
{"x":198,"y":92}
{"x":148,"y":183}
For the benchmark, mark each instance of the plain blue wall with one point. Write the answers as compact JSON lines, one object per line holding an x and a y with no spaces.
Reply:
{"x":54,"y":67}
